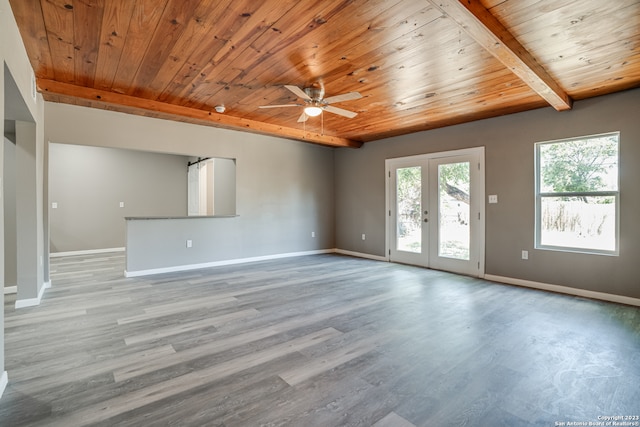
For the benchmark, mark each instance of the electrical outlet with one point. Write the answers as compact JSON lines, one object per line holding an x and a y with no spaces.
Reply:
{"x":313,"y":234}
{"x":54,"y":205}
{"x":363,"y":236}
{"x":122,"y":204}
{"x":189,"y":243}
{"x":525,"y":254}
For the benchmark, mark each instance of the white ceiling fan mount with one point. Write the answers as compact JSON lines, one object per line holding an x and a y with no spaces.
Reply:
{"x":315,"y":103}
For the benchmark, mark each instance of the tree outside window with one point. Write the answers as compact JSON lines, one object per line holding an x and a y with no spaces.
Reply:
{"x":577,"y":194}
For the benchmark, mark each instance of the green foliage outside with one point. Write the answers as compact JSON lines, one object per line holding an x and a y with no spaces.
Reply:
{"x":454,"y":178}
{"x":579,"y":166}
{"x":572,"y":215}
{"x":409,"y":190}
{"x":454,"y":181}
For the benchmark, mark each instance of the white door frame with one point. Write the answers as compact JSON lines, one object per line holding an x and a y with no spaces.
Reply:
{"x":478,"y":209}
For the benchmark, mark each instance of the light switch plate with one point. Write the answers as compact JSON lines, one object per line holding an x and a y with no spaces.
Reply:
{"x":493,"y":198}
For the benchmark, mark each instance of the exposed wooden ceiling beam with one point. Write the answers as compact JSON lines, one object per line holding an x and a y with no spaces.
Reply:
{"x":486,"y":30}
{"x":179,"y":112}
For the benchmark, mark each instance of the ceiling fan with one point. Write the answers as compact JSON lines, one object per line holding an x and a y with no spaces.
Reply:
{"x":315,"y":103}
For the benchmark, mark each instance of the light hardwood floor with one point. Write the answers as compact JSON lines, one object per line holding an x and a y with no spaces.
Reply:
{"x":312,"y":341}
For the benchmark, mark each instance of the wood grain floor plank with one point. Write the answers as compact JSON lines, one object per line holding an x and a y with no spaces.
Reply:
{"x":227,"y":402}
{"x":168,"y":309}
{"x":321,"y":340}
{"x":38,"y":318}
{"x":65,"y":374}
{"x":322,"y":402}
{"x":220,"y":344}
{"x":107,"y":409}
{"x":333,"y":359}
{"x":393,"y":420}
{"x":190,"y":326}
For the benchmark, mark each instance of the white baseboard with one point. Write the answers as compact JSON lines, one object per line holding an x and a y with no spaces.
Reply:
{"x":360,"y":255}
{"x":565,"y":290}
{"x":86,"y":252}
{"x":30,"y":302}
{"x":138,"y":273}
{"x":14,"y":289}
{"x":4,"y":380}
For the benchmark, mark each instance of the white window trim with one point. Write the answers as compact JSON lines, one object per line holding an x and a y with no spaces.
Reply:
{"x":539,"y":196}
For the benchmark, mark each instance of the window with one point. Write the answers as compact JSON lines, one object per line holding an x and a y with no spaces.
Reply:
{"x":577,"y":195}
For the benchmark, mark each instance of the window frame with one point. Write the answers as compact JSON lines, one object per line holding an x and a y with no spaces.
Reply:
{"x":609,"y":193}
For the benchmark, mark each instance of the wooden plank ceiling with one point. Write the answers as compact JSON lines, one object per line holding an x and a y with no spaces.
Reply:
{"x":418,"y":64}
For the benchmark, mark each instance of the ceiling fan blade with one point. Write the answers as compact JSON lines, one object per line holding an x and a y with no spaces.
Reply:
{"x":296,"y":90}
{"x":340,"y":111}
{"x":280,"y":106}
{"x":303,"y":117}
{"x":344,"y":97}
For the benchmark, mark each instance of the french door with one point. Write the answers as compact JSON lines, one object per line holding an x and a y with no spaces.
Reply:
{"x":436,"y":211}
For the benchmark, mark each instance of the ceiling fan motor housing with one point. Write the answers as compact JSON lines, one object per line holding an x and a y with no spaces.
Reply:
{"x":315,"y":93}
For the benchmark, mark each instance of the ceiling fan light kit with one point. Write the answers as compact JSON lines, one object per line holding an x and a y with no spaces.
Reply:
{"x":312,"y":111}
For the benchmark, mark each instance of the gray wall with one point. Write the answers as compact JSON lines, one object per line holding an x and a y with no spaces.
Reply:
{"x":28,"y":214}
{"x":88,"y":184}
{"x":15,"y":83}
{"x":509,"y":156}
{"x":10,"y":242}
{"x":284,"y":188}
{"x":160,"y":244}
{"x":224,"y":183}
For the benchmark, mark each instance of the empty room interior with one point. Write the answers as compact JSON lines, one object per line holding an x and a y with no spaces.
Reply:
{"x":337,"y":213}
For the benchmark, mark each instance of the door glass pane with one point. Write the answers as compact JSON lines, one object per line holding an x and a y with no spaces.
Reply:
{"x":453,"y":209}
{"x":409,"y":208}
